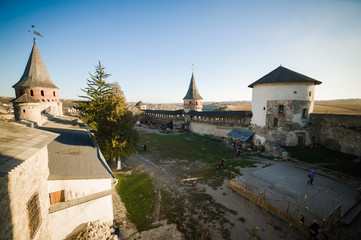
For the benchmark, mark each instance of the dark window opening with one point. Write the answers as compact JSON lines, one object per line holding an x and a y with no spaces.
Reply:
{"x":23,"y":110}
{"x":34,"y":216}
{"x":264,"y":108}
{"x":54,"y":93}
{"x":295,"y":92}
{"x":309,"y":93}
{"x":304,"y":113}
{"x":196,"y":103}
{"x":31,"y":92}
{"x":42,"y":93}
{"x":275,"y":122}
{"x":281,"y":109}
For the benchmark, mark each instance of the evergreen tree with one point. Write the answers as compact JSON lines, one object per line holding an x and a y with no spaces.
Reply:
{"x":107,"y":113}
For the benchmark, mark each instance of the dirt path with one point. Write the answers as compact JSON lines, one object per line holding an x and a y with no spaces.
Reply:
{"x":221,"y":213}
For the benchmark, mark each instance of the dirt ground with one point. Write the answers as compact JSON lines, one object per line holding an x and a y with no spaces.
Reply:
{"x":207,"y":213}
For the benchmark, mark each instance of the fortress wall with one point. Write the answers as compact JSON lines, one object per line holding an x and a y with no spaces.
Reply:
{"x":341,"y":132}
{"x":210,"y":129}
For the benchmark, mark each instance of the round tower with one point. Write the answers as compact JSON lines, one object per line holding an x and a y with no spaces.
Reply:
{"x":282,"y":96}
{"x":27,"y":108}
{"x":37,"y":83}
{"x":193,"y":100}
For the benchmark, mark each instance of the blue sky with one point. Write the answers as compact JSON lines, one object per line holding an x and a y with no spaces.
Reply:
{"x":149,"y":46}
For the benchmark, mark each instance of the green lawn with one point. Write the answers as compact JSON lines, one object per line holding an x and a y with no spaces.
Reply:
{"x":200,"y":149}
{"x":137,"y":194}
{"x":326,"y":158}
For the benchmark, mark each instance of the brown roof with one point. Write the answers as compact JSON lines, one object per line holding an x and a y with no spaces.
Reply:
{"x":192,"y":90}
{"x":282,"y":75}
{"x":35,"y":75}
{"x":25,"y":98}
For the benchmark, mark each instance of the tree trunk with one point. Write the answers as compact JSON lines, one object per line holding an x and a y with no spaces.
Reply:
{"x":119,"y":166}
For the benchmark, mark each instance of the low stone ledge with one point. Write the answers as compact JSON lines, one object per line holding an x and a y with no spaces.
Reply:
{"x":63,"y":205}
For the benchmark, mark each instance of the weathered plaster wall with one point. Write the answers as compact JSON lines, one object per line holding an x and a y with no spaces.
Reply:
{"x":79,"y":188}
{"x":284,"y":137}
{"x":210,"y":129}
{"x":330,"y":129}
{"x":70,"y":220}
{"x":266,"y":92}
{"x":28,"y":111}
{"x":292,"y":113}
{"x":23,"y":181}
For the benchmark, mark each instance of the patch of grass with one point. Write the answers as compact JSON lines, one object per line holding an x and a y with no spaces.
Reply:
{"x":207,"y":150}
{"x":326,"y":158}
{"x":137,"y":194}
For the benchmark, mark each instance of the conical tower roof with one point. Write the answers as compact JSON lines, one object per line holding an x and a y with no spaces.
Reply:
{"x":35,"y":75}
{"x":192,"y":90}
{"x":284,"y":75}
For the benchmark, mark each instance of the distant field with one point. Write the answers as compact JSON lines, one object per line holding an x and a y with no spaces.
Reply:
{"x":240,"y":107}
{"x":351,"y":108}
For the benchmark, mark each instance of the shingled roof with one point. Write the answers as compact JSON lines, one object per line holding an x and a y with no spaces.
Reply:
{"x":193,"y":91}
{"x":25,"y":98}
{"x":283,"y":75}
{"x":35,"y":75}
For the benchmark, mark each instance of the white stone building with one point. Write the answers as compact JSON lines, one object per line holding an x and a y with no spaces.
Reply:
{"x":53,"y":180}
{"x":281,"y":103}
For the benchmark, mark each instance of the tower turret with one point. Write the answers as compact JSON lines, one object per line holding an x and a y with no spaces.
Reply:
{"x":193,"y":99}
{"x":37,"y":84}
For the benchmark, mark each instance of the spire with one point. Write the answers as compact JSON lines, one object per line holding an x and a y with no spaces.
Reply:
{"x":192,"y":90}
{"x":35,"y":75}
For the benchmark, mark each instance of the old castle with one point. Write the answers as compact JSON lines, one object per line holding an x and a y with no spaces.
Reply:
{"x":282,"y":114}
{"x":54,"y":179}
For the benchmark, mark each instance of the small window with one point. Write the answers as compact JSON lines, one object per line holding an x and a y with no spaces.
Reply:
{"x":304,"y":113}
{"x":23,"y":110}
{"x":31,"y":92}
{"x":54,"y":93}
{"x":42,"y":93}
{"x":309,"y":93}
{"x":190,"y":103}
{"x":275,"y":122}
{"x":34,"y":216}
{"x":56,"y":197}
{"x":294,"y":92}
{"x":281,"y":109}
{"x":196,"y":103}
{"x":264,"y":108}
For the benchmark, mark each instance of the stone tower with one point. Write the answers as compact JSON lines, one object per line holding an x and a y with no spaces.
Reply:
{"x":36,"y":83}
{"x":193,"y":100}
{"x":281,"y":103}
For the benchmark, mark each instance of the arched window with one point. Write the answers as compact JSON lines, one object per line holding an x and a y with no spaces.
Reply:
{"x":42,"y":93}
{"x":31,"y":92}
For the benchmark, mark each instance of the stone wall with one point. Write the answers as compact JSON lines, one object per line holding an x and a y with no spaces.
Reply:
{"x":210,"y":129}
{"x":23,"y":181}
{"x":340,"y":132}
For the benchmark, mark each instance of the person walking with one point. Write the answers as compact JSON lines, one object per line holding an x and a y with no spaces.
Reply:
{"x":311,"y":175}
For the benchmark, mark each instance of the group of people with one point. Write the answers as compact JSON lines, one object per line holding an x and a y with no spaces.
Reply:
{"x":237,"y":145}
